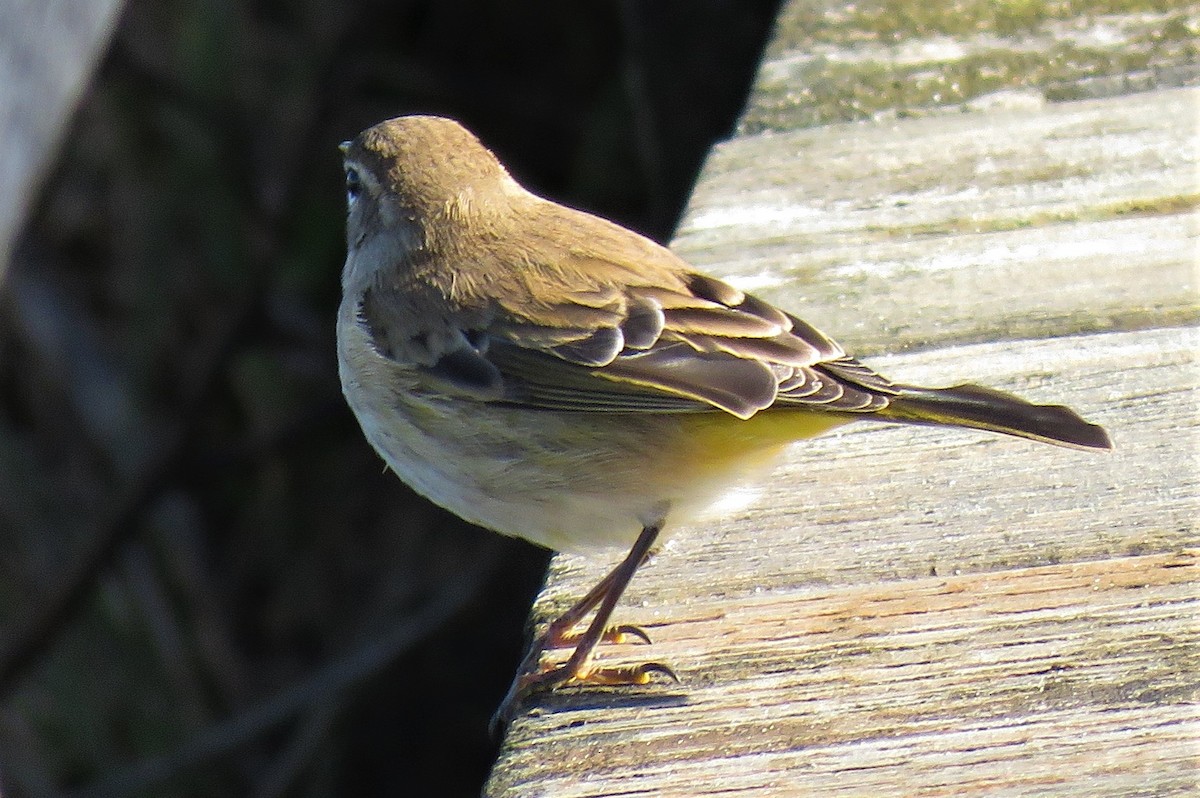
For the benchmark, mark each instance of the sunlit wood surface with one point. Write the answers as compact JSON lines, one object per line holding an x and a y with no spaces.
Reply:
{"x":908,"y":611}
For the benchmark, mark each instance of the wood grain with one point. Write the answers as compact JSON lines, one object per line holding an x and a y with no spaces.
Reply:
{"x":1029,"y":679}
{"x":1074,"y":218}
{"x":914,"y":611}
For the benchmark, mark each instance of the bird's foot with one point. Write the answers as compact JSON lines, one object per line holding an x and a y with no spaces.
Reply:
{"x":548,"y":678}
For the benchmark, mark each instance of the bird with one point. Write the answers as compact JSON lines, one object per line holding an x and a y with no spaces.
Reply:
{"x":550,"y":375}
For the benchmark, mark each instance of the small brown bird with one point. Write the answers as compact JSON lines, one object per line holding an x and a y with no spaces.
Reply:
{"x":550,"y":375}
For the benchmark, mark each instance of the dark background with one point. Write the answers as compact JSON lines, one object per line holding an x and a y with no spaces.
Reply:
{"x":207,"y":572}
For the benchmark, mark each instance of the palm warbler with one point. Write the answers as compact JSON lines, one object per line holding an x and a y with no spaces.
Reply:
{"x":548,"y":374}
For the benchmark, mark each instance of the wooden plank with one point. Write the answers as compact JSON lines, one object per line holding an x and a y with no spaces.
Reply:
{"x":1075,"y":217}
{"x":921,"y":611}
{"x":1023,"y":679}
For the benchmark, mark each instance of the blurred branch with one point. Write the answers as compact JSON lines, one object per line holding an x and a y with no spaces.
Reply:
{"x":166,"y":634}
{"x":312,"y":731}
{"x":177,"y":535}
{"x":24,"y":772}
{"x":27,"y":639}
{"x":322,"y":688}
{"x":65,"y":343}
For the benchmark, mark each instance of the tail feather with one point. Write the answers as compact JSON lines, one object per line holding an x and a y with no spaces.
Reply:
{"x":987,"y":409}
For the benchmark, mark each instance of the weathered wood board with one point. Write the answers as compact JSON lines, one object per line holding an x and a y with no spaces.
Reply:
{"x":1016,"y":682}
{"x":964,"y":227}
{"x":909,"y":611}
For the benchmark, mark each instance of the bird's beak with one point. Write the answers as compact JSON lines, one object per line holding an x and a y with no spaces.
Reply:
{"x":344,"y":147}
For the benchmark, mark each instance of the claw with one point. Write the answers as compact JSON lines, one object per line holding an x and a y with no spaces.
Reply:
{"x":625,"y":674}
{"x":663,"y":668}
{"x":623,"y":633}
{"x":618,"y":635}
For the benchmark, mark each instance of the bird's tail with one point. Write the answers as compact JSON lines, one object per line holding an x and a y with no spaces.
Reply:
{"x":984,"y":408}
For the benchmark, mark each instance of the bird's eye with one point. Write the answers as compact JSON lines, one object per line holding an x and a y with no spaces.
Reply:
{"x":353,"y":184}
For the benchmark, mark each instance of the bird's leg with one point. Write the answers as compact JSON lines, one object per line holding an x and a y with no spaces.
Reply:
{"x":577,"y":668}
{"x":561,"y":632}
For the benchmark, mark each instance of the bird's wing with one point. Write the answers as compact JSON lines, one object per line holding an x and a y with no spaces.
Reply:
{"x":661,"y":339}
{"x":701,"y":345}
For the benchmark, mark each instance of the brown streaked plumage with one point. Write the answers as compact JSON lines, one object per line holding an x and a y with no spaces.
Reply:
{"x":551,"y":375}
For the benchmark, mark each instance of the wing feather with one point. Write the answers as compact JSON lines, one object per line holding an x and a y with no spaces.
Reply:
{"x":575,"y":330}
